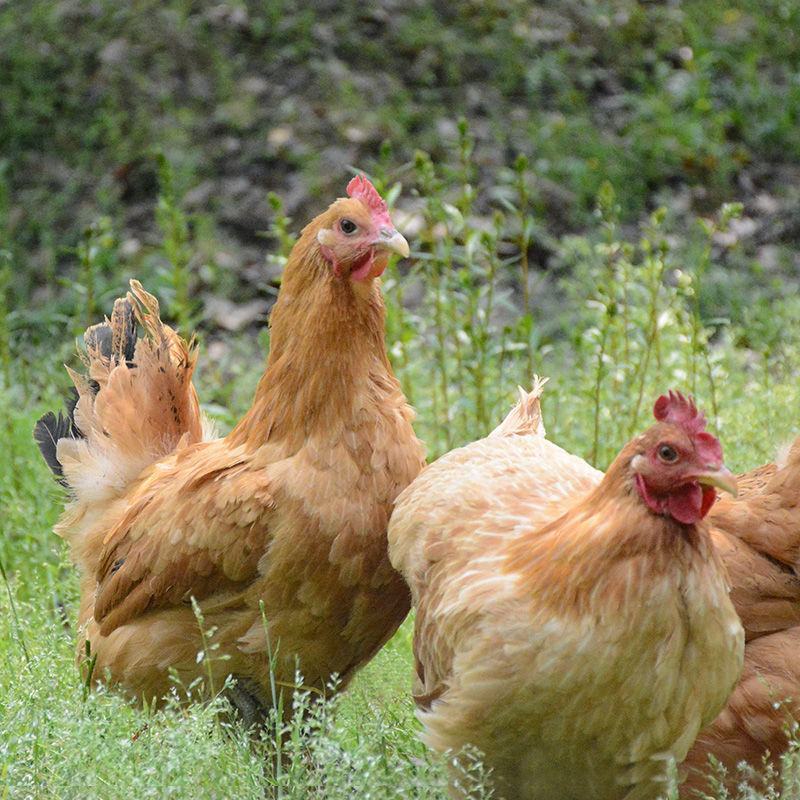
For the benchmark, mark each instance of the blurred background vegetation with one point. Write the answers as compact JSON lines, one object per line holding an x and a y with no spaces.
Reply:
{"x":606,"y":191}
{"x":685,"y":105}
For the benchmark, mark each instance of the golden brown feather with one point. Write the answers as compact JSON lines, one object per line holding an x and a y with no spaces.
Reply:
{"x":758,"y":536}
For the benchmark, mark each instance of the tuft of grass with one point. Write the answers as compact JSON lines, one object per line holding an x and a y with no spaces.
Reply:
{"x":176,"y":247}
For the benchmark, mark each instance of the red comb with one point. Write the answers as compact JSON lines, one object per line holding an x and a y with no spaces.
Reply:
{"x":361,"y":189}
{"x":679,"y":410}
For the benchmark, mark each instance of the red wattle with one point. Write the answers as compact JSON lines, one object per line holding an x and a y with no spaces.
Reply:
{"x":363,"y":270}
{"x":709,"y":498}
{"x":686,"y":504}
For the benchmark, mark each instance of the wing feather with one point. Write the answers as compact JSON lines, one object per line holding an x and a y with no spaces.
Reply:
{"x":195,"y":529}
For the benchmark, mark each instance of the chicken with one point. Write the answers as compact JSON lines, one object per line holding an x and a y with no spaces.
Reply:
{"x":758,"y":536}
{"x":579,"y":634}
{"x":277,"y":531}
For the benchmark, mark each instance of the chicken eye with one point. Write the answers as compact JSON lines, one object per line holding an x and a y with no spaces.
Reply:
{"x":667,"y":453}
{"x":348,"y":226}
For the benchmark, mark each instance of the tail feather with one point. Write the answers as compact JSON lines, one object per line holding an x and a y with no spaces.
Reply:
{"x":135,"y":405}
{"x":115,"y":338}
{"x":52,"y":427}
{"x":525,"y":419}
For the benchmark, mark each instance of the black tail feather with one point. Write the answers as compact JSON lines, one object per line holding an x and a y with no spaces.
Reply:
{"x":129,"y":328}
{"x":98,"y":339}
{"x":115,"y":339}
{"x":52,"y":427}
{"x":70,"y":401}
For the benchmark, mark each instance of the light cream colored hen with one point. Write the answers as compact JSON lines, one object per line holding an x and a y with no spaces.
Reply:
{"x":576,"y":628}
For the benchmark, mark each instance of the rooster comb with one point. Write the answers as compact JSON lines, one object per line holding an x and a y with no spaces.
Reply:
{"x":361,"y":189}
{"x":679,"y":410}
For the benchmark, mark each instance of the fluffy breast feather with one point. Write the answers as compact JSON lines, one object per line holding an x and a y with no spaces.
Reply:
{"x":552,"y":698}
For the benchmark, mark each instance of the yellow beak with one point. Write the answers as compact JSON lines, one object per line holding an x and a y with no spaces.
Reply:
{"x":394,"y":241}
{"x":721,"y":477}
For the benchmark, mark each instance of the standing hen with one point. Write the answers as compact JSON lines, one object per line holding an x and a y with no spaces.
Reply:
{"x":579,"y":636}
{"x":288,"y":513}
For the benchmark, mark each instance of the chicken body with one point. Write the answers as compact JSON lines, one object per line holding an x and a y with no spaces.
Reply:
{"x":757,"y":535}
{"x":561,"y":628}
{"x":277,"y":531}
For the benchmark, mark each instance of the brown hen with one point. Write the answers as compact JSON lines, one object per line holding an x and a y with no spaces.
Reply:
{"x":285,"y":515}
{"x":757,"y":536}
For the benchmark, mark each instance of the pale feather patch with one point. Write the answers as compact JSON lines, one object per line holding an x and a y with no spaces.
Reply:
{"x":210,"y":431}
{"x":782,"y":456}
{"x":326,"y":237}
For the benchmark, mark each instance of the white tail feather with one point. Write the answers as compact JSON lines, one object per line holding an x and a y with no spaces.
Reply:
{"x":525,"y":419}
